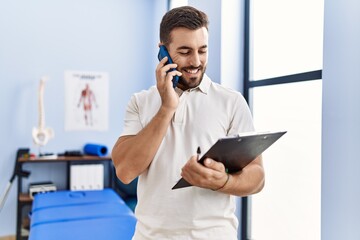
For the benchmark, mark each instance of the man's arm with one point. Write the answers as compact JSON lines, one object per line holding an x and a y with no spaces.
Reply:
{"x":248,"y":181}
{"x":132,"y":155}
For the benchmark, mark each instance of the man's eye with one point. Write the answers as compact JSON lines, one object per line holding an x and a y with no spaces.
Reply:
{"x":184,"y":53}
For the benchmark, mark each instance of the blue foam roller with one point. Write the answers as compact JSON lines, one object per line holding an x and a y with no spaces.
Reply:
{"x":95,"y":149}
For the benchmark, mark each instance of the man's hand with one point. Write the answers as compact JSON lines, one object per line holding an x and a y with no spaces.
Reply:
{"x":169,"y":98}
{"x":211,"y":175}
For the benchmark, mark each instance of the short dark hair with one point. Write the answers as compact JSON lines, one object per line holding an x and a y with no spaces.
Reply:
{"x":186,"y":16}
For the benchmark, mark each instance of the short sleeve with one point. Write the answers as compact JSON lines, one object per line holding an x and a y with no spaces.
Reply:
{"x":242,"y":120}
{"x":132,"y":123}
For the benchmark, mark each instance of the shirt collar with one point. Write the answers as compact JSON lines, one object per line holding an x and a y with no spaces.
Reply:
{"x":203,"y":86}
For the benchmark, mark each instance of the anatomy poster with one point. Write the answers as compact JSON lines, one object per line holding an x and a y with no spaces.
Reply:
{"x":86,"y":101}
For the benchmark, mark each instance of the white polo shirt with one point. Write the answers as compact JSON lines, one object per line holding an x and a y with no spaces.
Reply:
{"x":204,"y":114}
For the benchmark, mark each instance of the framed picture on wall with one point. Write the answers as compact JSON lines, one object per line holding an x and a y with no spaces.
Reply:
{"x":86,"y":101}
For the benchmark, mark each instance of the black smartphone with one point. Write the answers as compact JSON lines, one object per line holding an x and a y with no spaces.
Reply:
{"x":163,"y":52}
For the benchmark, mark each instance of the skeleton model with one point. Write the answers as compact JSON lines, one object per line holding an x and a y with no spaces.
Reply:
{"x":41,"y":134}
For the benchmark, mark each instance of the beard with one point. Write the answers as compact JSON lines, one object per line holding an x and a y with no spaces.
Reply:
{"x":187,"y":83}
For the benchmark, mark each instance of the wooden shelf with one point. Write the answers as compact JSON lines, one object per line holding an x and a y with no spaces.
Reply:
{"x":63,"y":158}
{"x":25,"y":198}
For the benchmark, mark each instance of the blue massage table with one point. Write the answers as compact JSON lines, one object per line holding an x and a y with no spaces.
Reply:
{"x":81,"y":215}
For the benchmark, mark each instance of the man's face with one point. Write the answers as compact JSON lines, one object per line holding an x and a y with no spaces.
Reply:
{"x":189,"y":50}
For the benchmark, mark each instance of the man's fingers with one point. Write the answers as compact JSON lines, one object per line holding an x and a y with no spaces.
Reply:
{"x":164,"y":71}
{"x":173,"y":74}
{"x":210,"y":163}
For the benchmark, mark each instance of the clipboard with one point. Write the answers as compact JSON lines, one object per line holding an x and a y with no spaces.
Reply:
{"x":237,"y":152}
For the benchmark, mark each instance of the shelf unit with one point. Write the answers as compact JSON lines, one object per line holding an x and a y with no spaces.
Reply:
{"x":23,"y":199}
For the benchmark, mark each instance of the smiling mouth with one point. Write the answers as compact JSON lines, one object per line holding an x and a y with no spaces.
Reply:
{"x":192,"y":71}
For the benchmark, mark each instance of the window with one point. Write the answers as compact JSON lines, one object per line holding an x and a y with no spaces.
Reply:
{"x":283,"y":86}
{"x":286,"y":37}
{"x":290,"y":201}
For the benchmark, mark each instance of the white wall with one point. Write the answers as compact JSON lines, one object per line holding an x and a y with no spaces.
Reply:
{"x":341,"y":121}
{"x":48,"y":37}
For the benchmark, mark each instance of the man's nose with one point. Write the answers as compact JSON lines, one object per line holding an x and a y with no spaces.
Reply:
{"x":195,"y":60}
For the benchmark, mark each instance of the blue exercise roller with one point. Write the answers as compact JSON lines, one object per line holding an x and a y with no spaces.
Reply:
{"x":95,"y":149}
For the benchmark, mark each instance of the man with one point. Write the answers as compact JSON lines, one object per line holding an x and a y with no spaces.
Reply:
{"x":164,"y":127}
